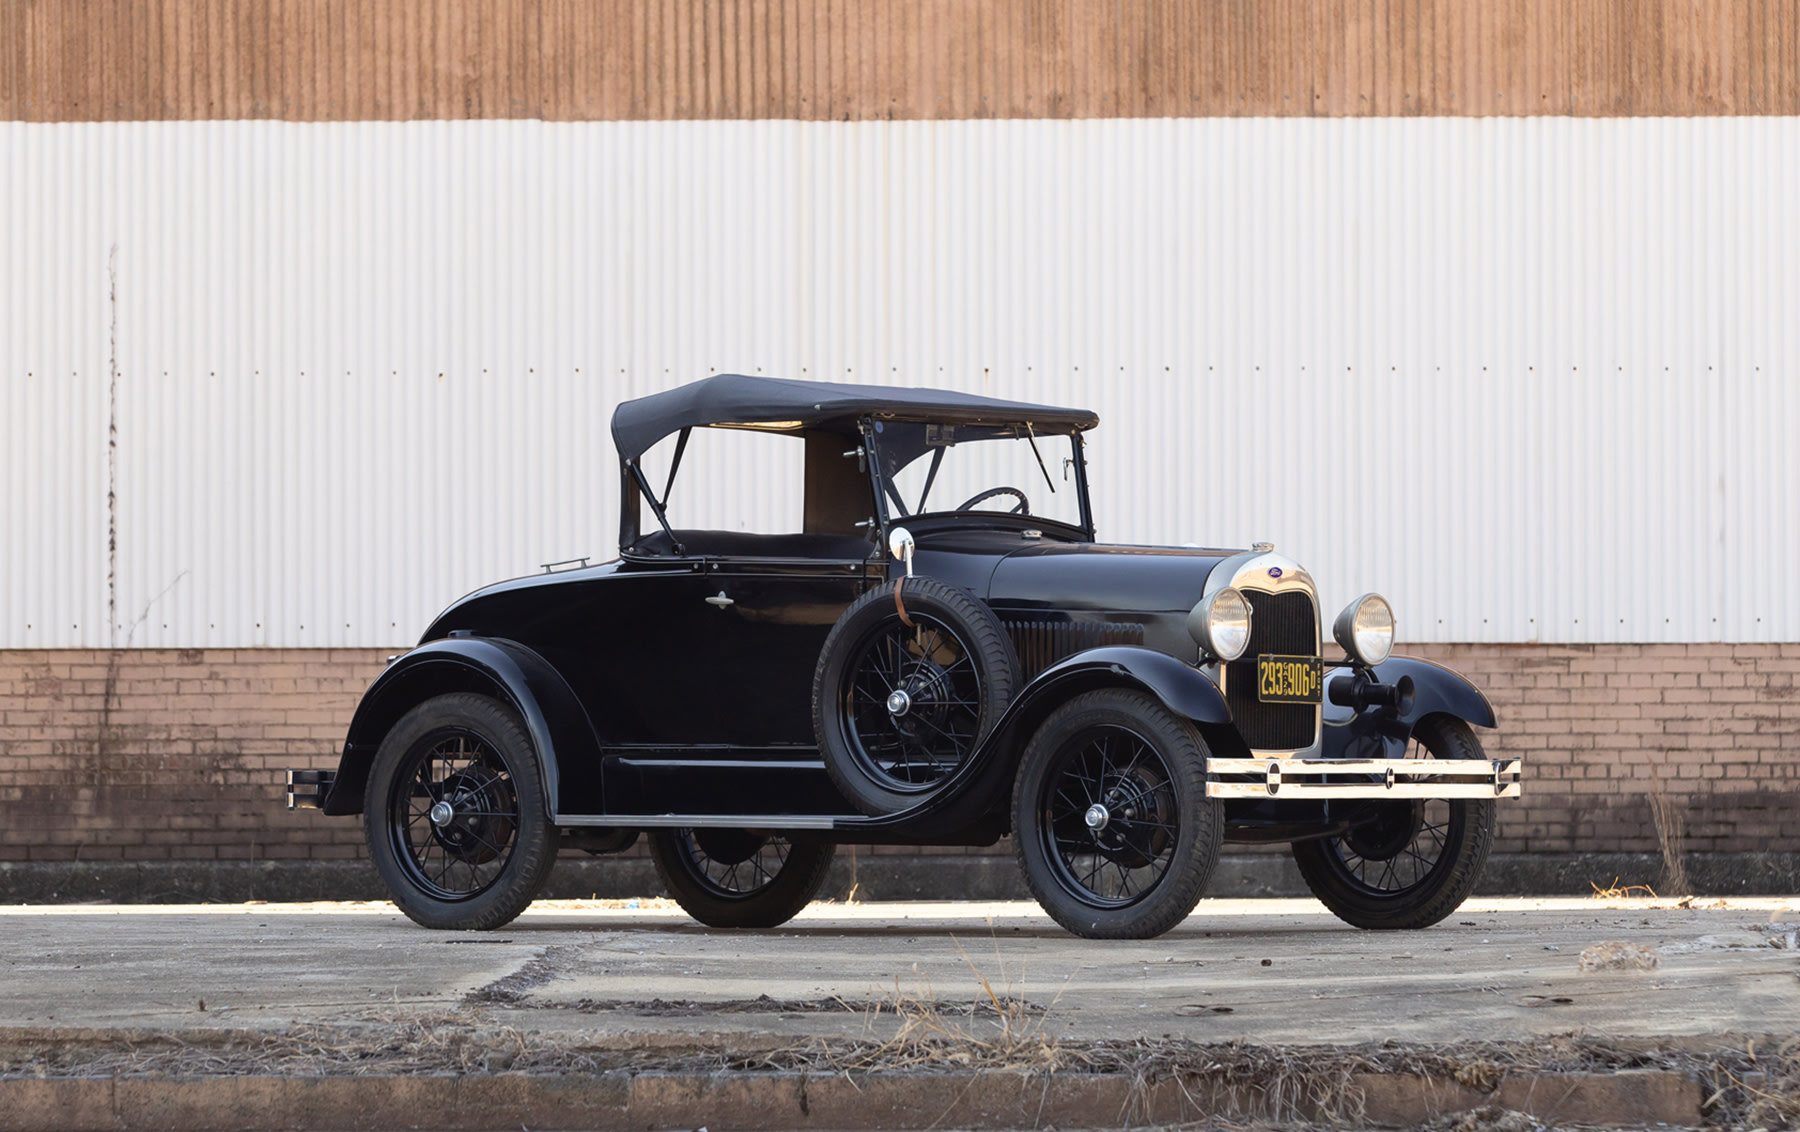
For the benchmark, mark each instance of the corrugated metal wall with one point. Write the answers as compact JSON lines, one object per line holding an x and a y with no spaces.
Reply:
{"x":345,"y":60}
{"x":1535,"y":379}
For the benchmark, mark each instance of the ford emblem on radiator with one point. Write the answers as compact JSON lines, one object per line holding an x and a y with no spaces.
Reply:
{"x":1274,"y":571}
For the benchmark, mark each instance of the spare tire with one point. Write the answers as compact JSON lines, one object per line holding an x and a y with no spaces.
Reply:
{"x":898,"y":707}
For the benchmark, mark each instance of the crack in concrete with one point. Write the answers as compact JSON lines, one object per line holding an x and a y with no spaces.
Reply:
{"x":510,"y":990}
{"x":763,"y":1004}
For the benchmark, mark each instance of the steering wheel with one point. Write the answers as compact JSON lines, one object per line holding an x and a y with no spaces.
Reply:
{"x":1024,"y":507}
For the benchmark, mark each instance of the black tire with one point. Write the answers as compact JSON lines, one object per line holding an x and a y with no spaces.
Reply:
{"x":1133,"y":877}
{"x":736,"y":878}
{"x":956,"y":668}
{"x":1420,"y":860}
{"x":479,"y":863}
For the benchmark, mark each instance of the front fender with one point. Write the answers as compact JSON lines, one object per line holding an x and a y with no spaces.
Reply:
{"x":562,"y":737}
{"x":1438,"y":689}
{"x":1382,"y":733}
{"x":1182,"y":688}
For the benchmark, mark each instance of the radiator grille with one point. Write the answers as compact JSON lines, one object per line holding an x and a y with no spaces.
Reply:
{"x":1042,"y":643}
{"x":1284,"y":624}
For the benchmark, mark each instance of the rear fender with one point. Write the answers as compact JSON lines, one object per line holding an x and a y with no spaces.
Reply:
{"x":1383,"y":732}
{"x":562,"y":737}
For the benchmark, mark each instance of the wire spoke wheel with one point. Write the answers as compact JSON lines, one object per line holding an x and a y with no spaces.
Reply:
{"x":912,"y":703}
{"x":740,"y":878}
{"x":454,"y":815}
{"x":903,"y":700}
{"x":1110,"y":819}
{"x":1406,"y":863}
{"x":1111,"y":822}
{"x":1402,"y":844}
{"x":733,"y":863}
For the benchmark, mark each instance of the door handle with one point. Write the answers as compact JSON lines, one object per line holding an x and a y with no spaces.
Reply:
{"x":719,"y":599}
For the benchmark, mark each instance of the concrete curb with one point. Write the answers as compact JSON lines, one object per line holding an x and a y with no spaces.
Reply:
{"x":878,"y":878}
{"x":767,"y":1102}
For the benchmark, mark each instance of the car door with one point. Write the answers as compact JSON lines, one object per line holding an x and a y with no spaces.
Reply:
{"x":764,"y":622}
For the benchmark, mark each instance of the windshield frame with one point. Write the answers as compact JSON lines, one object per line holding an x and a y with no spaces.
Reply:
{"x":1078,"y":456}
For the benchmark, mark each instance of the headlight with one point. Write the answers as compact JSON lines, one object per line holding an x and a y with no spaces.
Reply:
{"x":1366,"y":629}
{"x":1221,"y":624}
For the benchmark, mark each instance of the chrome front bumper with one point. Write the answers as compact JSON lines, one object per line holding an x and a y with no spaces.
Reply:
{"x":1363,"y":778}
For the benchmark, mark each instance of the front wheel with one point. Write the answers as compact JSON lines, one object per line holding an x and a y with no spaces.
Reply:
{"x":1414,"y":862}
{"x":454,"y":813}
{"x":739,"y":878}
{"x":1111,"y":822}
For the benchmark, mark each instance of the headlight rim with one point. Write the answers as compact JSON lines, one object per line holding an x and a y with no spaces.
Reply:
{"x":1344,"y":630}
{"x":1204,"y":624}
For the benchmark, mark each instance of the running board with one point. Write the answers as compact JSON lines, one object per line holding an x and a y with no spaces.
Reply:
{"x":1364,"y":778}
{"x":712,"y":821}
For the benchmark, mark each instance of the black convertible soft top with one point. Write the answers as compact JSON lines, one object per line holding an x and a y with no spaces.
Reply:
{"x":771,"y":402}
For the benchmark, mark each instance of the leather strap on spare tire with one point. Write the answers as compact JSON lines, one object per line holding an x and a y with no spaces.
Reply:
{"x":903,"y":693}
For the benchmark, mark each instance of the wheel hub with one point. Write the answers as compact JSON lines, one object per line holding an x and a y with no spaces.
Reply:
{"x":925,"y":684}
{"x":912,"y":699}
{"x":1392,"y":831}
{"x":468,"y":819}
{"x":918,"y":707}
{"x":1115,"y":825}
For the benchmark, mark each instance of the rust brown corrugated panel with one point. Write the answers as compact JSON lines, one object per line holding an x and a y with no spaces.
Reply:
{"x":88,"y":60}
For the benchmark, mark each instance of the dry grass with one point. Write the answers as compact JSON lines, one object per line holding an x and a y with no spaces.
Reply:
{"x":1000,"y":1031}
{"x":406,"y":1045}
{"x":1283,"y":1085}
{"x":1614,"y":891}
{"x":1753,"y":1091}
{"x":1671,"y":836}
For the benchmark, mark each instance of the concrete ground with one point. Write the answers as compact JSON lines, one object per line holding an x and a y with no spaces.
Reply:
{"x":1280,"y":971}
{"x":89,"y":989}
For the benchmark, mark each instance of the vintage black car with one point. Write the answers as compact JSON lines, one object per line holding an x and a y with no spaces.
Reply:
{"x":931,"y":648}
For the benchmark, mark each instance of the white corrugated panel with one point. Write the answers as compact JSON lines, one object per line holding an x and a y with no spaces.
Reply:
{"x":1535,"y":379}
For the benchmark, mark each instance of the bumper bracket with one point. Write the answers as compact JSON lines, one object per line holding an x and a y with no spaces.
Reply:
{"x":308,"y":789}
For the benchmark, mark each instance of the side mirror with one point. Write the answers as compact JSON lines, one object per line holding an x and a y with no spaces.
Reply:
{"x":900,"y":545}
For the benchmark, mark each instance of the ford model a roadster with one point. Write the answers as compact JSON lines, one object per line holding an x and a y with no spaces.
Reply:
{"x":930,"y":648}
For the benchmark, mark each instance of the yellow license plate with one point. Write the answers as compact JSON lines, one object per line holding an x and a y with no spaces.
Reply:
{"x":1290,"y":679}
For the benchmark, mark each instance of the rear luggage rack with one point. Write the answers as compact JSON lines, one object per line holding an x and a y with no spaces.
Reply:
{"x":1364,"y":778}
{"x":308,"y":789}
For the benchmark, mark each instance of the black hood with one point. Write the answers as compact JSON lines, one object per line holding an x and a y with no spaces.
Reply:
{"x":1090,"y":576}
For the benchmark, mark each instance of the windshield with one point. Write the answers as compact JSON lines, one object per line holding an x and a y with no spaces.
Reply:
{"x":998,"y":470}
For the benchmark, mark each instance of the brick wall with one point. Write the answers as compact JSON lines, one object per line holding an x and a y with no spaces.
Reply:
{"x":164,"y":754}
{"x":1600,"y":727}
{"x":153,"y":754}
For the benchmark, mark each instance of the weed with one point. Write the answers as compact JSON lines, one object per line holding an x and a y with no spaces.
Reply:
{"x":1614,"y":892}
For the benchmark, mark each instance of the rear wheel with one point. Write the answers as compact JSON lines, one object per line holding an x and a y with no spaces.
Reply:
{"x":1417,"y":860}
{"x":454,"y":814}
{"x":1111,"y":821}
{"x":739,"y":878}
